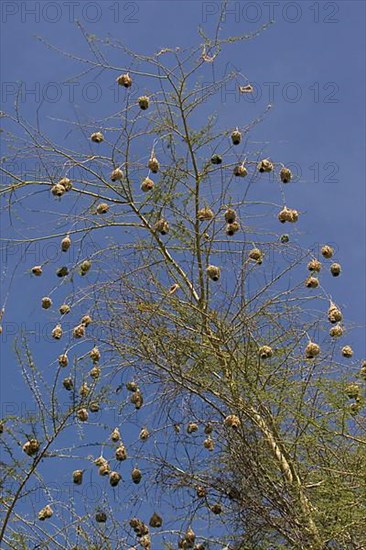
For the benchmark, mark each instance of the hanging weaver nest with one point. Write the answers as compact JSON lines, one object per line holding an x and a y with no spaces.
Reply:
{"x":77,"y":477}
{"x":136,"y":475}
{"x":139,"y":527}
{"x":102,"y":208}
{"x":327,"y":251}
{"x":230,"y":215}
{"x":256,"y":254}
{"x":63,"y":360}
{"x":236,"y":137}
{"x":78,"y":331}
{"x":117,"y":175}
{"x":314,"y":265}
{"x":312,"y":350}
{"x":355,"y":408}
{"x":248,"y":89}
{"x":100,"y":460}
{"x":216,"y":159}
{"x":46,"y":302}
{"x":94,"y":354}
{"x":146,"y":185}
{"x":209,"y":444}
{"x":208,"y":429}
{"x":58,"y":190}
{"x":201,"y":491}
{"x":232,"y":421}
{"x":65,"y":243}
{"x":285,"y":175}
{"x":240,"y":171}
{"x":84,"y":390}
{"x":97,"y":137}
{"x":213,"y":272}
{"x":57,"y":332}
{"x":64,"y":309}
{"x":45,"y":513}
{"x":162,"y":226}
{"x":86,"y":320}
{"x":312,"y":282}
{"x":205,"y":214}
{"x":37,"y":270}
{"x":232,"y":228}
{"x":137,"y":399}
{"x":353,"y":391}
{"x":143,"y":102}
{"x":192,"y":427}
{"x":144,"y":434}
{"x":31,"y":447}
{"x":120,"y":453}
{"x":156,"y":521}
{"x":363,"y":369}
{"x":284,"y":238}
{"x":347,"y":351}
{"x":334,"y":314}
{"x":94,"y":407}
{"x":104,"y":469}
{"x":114,"y":478}
{"x":153,"y":165}
{"x":124,"y":80}
{"x":188,"y":539}
{"x":216,"y":509}
{"x":335,"y":269}
{"x":115,"y":435}
{"x":85,"y":267}
{"x":67,"y":383}
{"x":132,"y":386}
{"x":62,"y":271}
{"x":100,"y":517}
{"x":265,"y":165}
{"x":95,"y":372}
{"x":265,"y":352}
{"x":66,"y":184}
{"x":145,"y":542}
{"x":336,"y":332}
{"x":288,"y":215}
{"x":82,"y":415}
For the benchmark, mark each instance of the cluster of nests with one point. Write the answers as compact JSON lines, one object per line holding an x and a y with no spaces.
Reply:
{"x":314,"y":266}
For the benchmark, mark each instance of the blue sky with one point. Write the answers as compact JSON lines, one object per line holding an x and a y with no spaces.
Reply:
{"x":309,"y":65}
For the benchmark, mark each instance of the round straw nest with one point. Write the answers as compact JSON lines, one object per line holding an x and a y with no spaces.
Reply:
{"x":114,"y":478}
{"x":137,"y":399}
{"x":213,"y":272}
{"x":205,"y":214}
{"x":327,"y":251}
{"x":156,"y":521}
{"x":77,"y":477}
{"x":285,"y":175}
{"x":312,"y":282}
{"x":95,"y":372}
{"x":236,"y":137}
{"x":144,"y":434}
{"x":102,"y":208}
{"x":117,"y":175}
{"x":209,"y":444}
{"x":230,"y":215}
{"x":314,"y":265}
{"x":136,"y":475}
{"x":97,"y":137}
{"x":147,"y":184}
{"x":288,"y":215}
{"x":124,"y":80}
{"x":265,"y":352}
{"x":256,"y":254}
{"x":347,"y":351}
{"x":94,"y":354}
{"x":67,"y":383}
{"x":336,"y":332}
{"x":153,"y":165}
{"x":37,"y":270}
{"x":64,"y":309}
{"x":353,"y":391}
{"x":265,"y":165}
{"x":45,"y":513}
{"x":335,"y":269}
{"x":162,"y":226}
{"x":62,"y":271}
{"x":66,"y":184}
{"x":232,"y":228}
{"x":232,"y":421}
{"x":57,"y":332}
{"x":192,"y":427}
{"x":100,"y":517}
{"x":63,"y":360}
{"x":78,"y":331}
{"x":84,"y":390}
{"x":334,"y":314}
{"x":65,"y":243}
{"x":120,"y":453}
{"x":115,"y":435}
{"x":82,"y":415}
{"x":58,"y":190}
{"x":216,"y":159}
{"x":240,"y":171}
{"x":312,"y":350}
{"x":31,"y":447}
{"x":143,"y":102}
{"x":46,"y":302}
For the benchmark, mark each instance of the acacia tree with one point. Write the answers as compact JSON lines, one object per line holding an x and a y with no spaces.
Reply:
{"x":196,"y":360}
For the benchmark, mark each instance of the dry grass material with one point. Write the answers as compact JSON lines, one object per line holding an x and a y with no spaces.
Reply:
{"x":68,"y":383}
{"x":46,"y":302}
{"x":102,"y":208}
{"x":77,"y":477}
{"x":82,"y":415}
{"x":153,"y":165}
{"x":114,"y":478}
{"x":347,"y":352}
{"x":143,"y":102}
{"x":232,"y":421}
{"x":37,"y":270}
{"x":120,"y":453}
{"x":65,"y":243}
{"x":213,"y":272}
{"x":285,"y":175}
{"x":205,"y":214}
{"x":124,"y":80}
{"x":327,"y":251}
{"x":136,"y":475}
{"x":312,"y":282}
{"x":156,"y":521}
{"x":78,"y":331}
{"x":240,"y":171}
{"x":116,"y":175}
{"x":265,"y":165}
{"x":265,"y":352}
{"x":335,"y":269}
{"x":236,"y":137}
{"x":312,"y":350}
{"x":94,"y":354}
{"x":314,"y":265}
{"x":97,"y":137}
{"x":63,"y":360}
{"x":147,"y":185}
{"x":45,"y":513}
{"x":336,"y":332}
{"x":31,"y":447}
{"x":57,"y":332}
